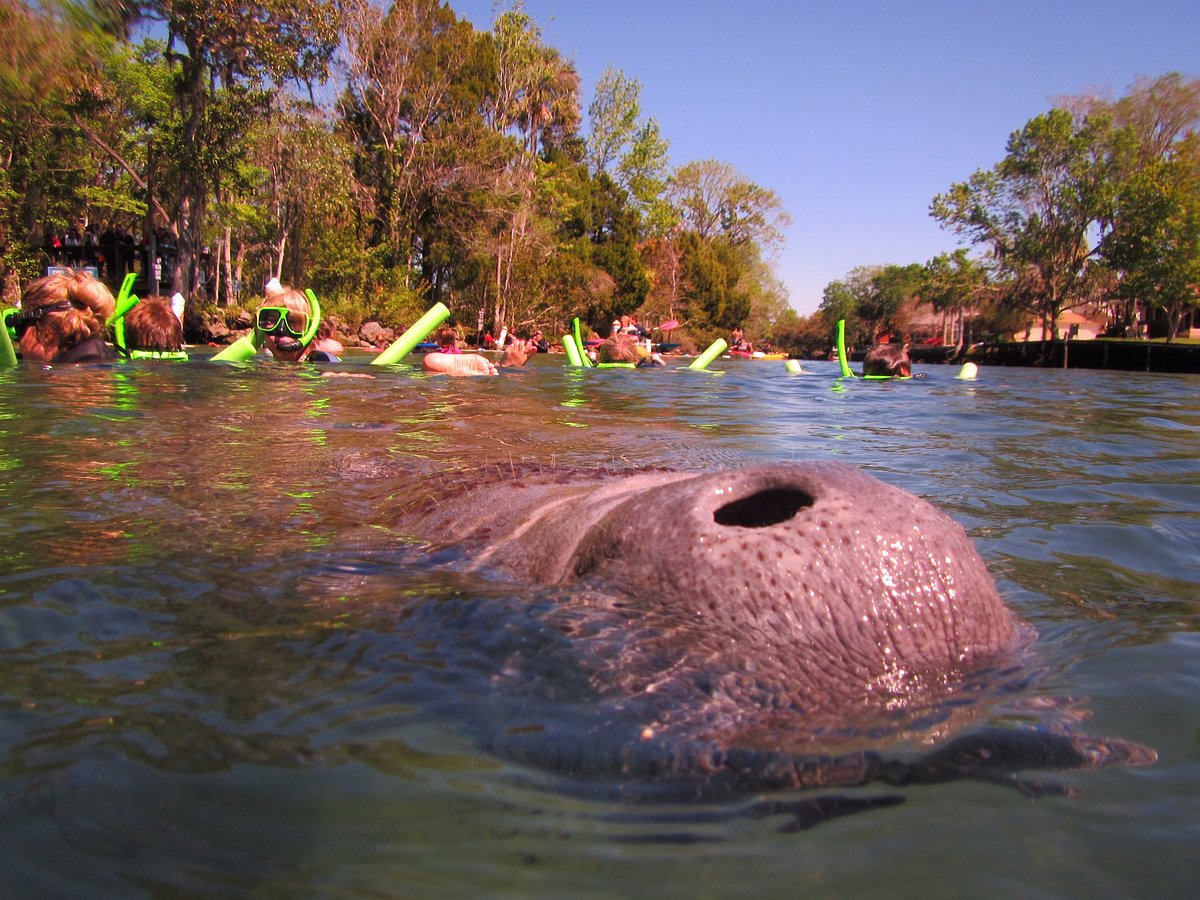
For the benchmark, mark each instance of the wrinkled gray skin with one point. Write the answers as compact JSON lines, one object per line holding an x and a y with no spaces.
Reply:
{"x":765,"y":616}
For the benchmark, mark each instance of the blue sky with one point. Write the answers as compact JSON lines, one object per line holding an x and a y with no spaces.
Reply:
{"x":857,"y":112}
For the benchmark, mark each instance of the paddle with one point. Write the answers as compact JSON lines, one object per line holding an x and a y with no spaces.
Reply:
{"x":669,"y":325}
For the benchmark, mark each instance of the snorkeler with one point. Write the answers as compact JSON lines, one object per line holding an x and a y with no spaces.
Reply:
{"x":887,"y":361}
{"x":62,"y":319}
{"x":440,"y":363}
{"x":153,"y":330}
{"x":624,"y":349}
{"x":285,"y":324}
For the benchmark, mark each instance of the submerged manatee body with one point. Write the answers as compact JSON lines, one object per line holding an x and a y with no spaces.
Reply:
{"x":744,"y":625}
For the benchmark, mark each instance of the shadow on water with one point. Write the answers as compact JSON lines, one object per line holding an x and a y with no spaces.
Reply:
{"x":226,"y":670}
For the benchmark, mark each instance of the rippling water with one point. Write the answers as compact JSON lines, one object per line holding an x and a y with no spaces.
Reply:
{"x":217,"y":672}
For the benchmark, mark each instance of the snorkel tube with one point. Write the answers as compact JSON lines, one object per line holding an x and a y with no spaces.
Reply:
{"x":314,"y":318}
{"x":126,"y":300}
{"x":715,"y":349}
{"x":841,"y":350}
{"x":417,"y":332}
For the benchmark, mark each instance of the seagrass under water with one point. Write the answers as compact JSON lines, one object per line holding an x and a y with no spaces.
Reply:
{"x":224,"y":669}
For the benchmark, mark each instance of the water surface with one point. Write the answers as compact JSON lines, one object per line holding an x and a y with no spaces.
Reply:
{"x":220,"y":670}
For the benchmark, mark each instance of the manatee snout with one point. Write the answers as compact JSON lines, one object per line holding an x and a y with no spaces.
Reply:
{"x":742,"y":619}
{"x":817,"y":556}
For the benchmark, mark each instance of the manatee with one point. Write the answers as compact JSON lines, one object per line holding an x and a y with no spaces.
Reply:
{"x":764,"y":628}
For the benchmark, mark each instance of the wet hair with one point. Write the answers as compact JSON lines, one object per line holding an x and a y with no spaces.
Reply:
{"x":887,"y":359}
{"x":151,"y":325}
{"x":86,"y":304}
{"x":620,"y":348}
{"x":92,"y":293}
{"x":289,"y":297}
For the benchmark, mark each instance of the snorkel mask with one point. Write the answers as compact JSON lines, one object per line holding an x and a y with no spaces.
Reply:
{"x":292,"y":330}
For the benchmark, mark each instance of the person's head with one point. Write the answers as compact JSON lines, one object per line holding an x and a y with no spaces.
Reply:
{"x":446,"y":337}
{"x":59,"y":312}
{"x":282,"y":331}
{"x":887,"y":359}
{"x":620,"y":348}
{"x":151,"y":325}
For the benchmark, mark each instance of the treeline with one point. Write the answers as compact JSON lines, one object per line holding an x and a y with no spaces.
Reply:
{"x":385,"y":156}
{"x":1095,"y":206}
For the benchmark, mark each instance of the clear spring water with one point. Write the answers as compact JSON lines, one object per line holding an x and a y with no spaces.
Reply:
{"x":212,"y":679}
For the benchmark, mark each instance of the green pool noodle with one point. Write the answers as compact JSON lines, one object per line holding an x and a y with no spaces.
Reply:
{"x":616,"y":365}
{"x":8,"y":356}
{"x":417,"y":332}
{"x":841,"y":349}
{"x":568,"y":342}
{"x":584,"y":359}
{"x":244,"y":348}
{"x":717,"y":347}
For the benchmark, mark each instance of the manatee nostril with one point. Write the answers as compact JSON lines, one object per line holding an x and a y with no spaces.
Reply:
{"x":764,"y":508}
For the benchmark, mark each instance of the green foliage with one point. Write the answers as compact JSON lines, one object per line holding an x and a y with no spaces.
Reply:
{"x":613,"y":114}
{"x":1156,"y":244}
{"x":711,"y":274}
{"x":1038,"y":207}
{"x":451,"y":169}
{"x":805,"y":336}
{"x":870,"y":299}
{"x":953,"y":281}
{"x":714,"y":200}
{"x":629,"y":149}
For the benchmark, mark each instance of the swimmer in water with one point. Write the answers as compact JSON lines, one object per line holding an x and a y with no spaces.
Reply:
{"x":283,"y":319}
{"x":887,"y":360}
{"x":438,"y":363}
{"x":62,"y":319}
